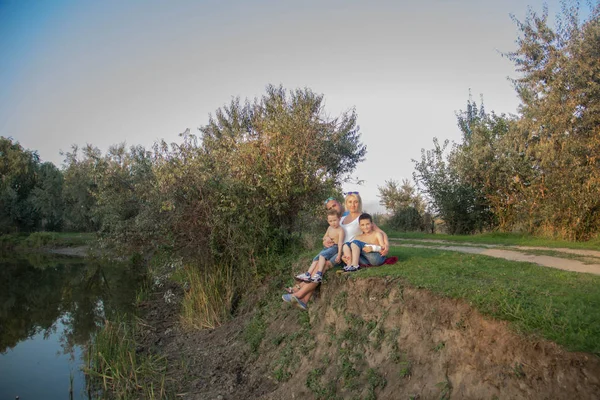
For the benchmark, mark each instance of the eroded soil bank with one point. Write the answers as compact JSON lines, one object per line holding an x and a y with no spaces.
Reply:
{"x":365,"y":338}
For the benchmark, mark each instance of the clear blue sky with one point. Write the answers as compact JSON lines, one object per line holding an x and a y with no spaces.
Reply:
{"x":105,"y":72}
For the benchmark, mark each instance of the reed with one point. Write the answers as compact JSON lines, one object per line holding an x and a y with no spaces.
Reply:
{"x":207,"y":302}
{"x":117,"y":370}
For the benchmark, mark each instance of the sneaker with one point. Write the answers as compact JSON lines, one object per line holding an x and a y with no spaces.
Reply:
{"x":351,"y":268}
{"x":305,"y":277}
{"x":299,"y":303}
{"x":287,"y":298}
{"x":317,"y":278}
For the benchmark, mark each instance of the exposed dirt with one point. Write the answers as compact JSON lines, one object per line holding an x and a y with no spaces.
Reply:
{"x":366,"y":338}
{"x":518,"y":253}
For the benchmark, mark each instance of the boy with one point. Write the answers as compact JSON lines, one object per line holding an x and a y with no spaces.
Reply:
{"x":332,"y":254}
{"x":365,"y":248}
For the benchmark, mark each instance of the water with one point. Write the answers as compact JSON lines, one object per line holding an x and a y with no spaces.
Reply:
{"x":49,"y":308}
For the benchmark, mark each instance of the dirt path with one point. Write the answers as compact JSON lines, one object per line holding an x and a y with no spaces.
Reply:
{"x":518,"y":253}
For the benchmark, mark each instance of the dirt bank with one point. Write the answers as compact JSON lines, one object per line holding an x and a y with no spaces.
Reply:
{"x":365,"y":338}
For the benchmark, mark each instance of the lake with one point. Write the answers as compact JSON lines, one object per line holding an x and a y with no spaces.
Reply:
{"x":50,"y":306}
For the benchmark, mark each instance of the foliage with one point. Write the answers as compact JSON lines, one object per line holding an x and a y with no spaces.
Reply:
{"x":18,"y":172}
{"x":80,"y":185}
{"x":208,"y":301}
{"x":124,"y":188}
{"x":271,"y":159}
{"x":559,"y":88}
{"x":407,"y":206}
{"x":394,"y":196}
{"x":234,"y":195}
{"x":456,"y":201}
{"x":30,"y":191}
{"x":115,"y":367}
{"x":538,"y":171}
{"x":46,"y":197}
{"x":487,"y":161}
{"x":406,"y":220}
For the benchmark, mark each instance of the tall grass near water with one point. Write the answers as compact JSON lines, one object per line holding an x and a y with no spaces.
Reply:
{"x":208,"y":300}
{"x":117,"y":370}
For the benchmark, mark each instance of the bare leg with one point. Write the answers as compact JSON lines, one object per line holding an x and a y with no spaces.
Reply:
{"x":306,"y":291}
{"x":312,"y":267}
{"x":355,"y":254}
{"x":320,"y":265}
{"x":347,"y":254}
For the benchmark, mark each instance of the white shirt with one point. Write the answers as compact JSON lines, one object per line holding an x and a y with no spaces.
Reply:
{"x":351,"y":230}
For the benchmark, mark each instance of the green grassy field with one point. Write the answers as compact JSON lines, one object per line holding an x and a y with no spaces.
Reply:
{"x":506,"y":239}
{"x":46,"y":239}
{"x":557,"y":305}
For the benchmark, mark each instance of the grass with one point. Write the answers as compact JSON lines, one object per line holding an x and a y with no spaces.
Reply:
{"x":255,"y":332}
{"x":508,"y":239}
{"x":38,"y":240}
{"x":558,"y":305}
{"x":117,"y":370}
{"x":445,"y":389}
{"x":207,"y":302}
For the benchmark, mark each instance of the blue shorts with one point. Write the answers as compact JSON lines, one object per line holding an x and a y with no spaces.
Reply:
{"x":329,"y":253}
{"x":372,"y":258}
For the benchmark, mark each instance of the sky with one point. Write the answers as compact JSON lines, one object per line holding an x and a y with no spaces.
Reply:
{"x":137,"y":71}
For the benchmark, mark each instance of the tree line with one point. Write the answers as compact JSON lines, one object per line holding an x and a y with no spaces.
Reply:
{"x":538,"y":171}
{"x":240,"y":188}
{"x":245,"y":182}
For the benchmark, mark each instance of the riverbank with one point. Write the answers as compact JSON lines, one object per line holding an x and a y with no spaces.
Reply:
{"x":368,"y":338}
{"x":67,"y":243}
{"x":438,"y":324}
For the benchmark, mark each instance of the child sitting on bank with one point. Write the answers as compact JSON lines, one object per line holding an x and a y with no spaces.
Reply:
{"x":332,"y":254}
{"x":364,"y":249}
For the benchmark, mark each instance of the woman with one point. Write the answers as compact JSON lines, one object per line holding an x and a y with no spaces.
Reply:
{"x":351,"y":227}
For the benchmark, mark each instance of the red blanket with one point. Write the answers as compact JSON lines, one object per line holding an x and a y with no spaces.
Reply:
{"x":388,"y":261}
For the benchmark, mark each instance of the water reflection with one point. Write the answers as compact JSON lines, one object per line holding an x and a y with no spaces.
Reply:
{"x":44,"y":297}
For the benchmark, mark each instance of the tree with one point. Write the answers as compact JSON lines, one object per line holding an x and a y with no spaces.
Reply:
{"x":46,"y":197}
{"x":490,"y":160}
{"x":394,"y":196}
{"x":455,"y":201}
{"x":80,"y":188}
{"x":559,"y":88}
{"x":270,"y":159}
{"x":18,"y":175}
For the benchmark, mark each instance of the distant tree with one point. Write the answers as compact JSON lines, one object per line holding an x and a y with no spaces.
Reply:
{"x":18,"y":175}
{"x":489,"y":159}
{"x":46,"y":197}
{"x":394,"y":196}
{"x":454,"y":200}
{"x":80,"y":188}
{"x":125,"y":184}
